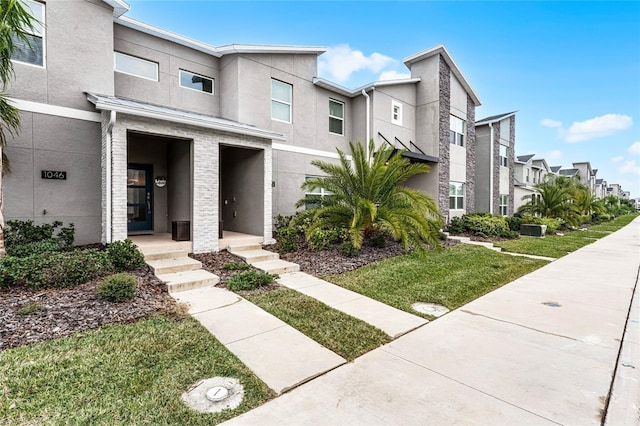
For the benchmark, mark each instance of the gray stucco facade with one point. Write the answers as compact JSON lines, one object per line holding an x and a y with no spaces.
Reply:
{"x":226,"y":161}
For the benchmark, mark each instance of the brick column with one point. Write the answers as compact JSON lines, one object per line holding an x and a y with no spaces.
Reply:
{"x":471,"y":155}
{"x":512,"y":165}
{"x":206,"y":170}
{"x":119,"y":180}
{"x":443,"y":136}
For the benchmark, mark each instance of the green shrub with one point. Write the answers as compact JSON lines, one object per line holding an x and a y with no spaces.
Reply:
{"x":25,"y":232}
{"x":348,"y":249}
{"x":281,"y":221}
{"x":490,"y":226}
{"x":236,"y":266}
{"x":118,"y":288}
{"x":250,"y":280}
{"x":30,"y":308}
{"x":40,"y":247}
{"x":324,"y":239}
{"x":510,"y":234}
{"x":552,"y":224}
{"x":456,"y":226}
{"x":379,"y":240}
{"x":597,"y":218}
{"x":54,"y":269}
{"x":513,"y":222}
{"x":288,"y":240}
{"x":125,"y":256}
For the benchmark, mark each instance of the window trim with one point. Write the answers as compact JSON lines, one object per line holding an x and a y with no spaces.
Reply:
{"x":397,"y":121}
{"x":115,"y":52}
{"x":213,"y":82}
{"x":335,"y":117}
{"x":504,"y":163}
{"x":505,"y":206}
{"x":289,"y":104}
{"x":457,"y":197}
{"x":462,"y":138}
{"x":42,"y":35}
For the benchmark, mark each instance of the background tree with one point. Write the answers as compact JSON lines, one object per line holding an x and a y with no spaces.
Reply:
{"x":369,"y":196}
{"x":15,"y":24}
{"x":555,"y":199}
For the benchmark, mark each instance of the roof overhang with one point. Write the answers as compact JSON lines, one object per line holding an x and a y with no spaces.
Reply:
{"x":441,"y":50}
{"x":416,"y":157}
{"x":213,"y":50}
{"x":142,"y":109}
{"x":326,"y":84}
{"x":495,"y":119}
{"x":119,"y":7}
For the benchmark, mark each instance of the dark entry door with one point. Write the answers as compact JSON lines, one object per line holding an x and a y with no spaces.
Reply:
{"x":139,"y":197}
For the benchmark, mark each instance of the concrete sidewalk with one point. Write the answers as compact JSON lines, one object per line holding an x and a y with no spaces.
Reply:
{"x":540,"y":350}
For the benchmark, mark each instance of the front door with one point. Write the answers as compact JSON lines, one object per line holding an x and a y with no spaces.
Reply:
{"x":139,"y":197}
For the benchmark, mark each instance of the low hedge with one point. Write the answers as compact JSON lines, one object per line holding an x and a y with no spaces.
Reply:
{"x":481,"y":224}
{"x":552,"y":224}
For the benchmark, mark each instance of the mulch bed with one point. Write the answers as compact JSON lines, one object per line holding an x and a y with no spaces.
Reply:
{"x":28,"y":316}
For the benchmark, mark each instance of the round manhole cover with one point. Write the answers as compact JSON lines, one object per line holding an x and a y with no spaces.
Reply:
{"x":217,"y":393}
{"x":430,"y":308}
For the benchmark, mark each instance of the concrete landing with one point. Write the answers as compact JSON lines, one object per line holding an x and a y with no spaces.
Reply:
{"x":277,"y":353}
{"x":266,"y":261}
{"x":392,"y":321}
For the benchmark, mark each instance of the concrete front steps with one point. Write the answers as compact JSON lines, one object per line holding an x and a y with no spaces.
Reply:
{"x":175,"y":268}
{"x":264,"y":260}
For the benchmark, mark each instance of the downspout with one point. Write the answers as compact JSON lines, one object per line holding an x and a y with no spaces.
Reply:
{"x":491,"y":168}
{"x":112,"y":122}
{"x":368,"y":121}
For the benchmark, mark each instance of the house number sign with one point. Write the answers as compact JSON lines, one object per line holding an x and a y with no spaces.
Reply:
{"x":53,"y":174}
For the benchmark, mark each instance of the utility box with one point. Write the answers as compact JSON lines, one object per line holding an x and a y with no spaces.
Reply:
{"x":533,"y":230}
{"x":180,"y":230}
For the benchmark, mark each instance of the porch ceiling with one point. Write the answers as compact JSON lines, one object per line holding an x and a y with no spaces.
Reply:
{"x":143,"y":109}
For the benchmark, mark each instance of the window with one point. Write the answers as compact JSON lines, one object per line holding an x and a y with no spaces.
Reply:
{"x":396,"y":113}
{"x":281,"y":99}
{"x":528,"y":176}
{"x":315,"y":196}
{"x":336,"y":117}
{"x":456,"y":131}
{"x":456,"y":196}
{"x":136,"y":66}
{"x":504,"y":204}
{"x":197,"y":82}
{"x":31,"y":51}
{"x":504,"y":159}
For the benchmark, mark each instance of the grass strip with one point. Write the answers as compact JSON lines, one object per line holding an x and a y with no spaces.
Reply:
{"x":343,"y":334}
{"x":120,"y":375}
{"x":451,"y":277}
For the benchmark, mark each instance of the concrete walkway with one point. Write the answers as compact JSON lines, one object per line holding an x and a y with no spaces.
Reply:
{"x":540,"y":350}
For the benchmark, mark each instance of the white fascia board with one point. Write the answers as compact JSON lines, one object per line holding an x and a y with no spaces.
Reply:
{"x":321,"y":82}
{"x":326,"y":84}
{"x":119,"y":7}
{"x":192,"y":121}
{"x":301,"y":150}
{"x":454,"y":68}
{"x":495,"y":120}
{"x":257,"y":48}
{"x":58,"y":111}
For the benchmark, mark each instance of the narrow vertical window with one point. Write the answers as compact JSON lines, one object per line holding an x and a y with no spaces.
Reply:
{"x":281,"y":101}
{"x":504,"y":204}
{"x":504,"y":158}
{"x":31,"y":50}
{"x":336,"y":117}
{"x":456,"y":131}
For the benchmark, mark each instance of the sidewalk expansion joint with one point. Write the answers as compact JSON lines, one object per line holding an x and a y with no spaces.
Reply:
{"x":238,"y":300}
{"x":467,"y":385}
{"x":257,"y":334}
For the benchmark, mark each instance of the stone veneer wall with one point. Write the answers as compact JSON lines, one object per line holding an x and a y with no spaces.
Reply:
{"x":471,"y":155}
{"x":512,"y":165}
{"x":496,"y":169}
{"x":206,"y":170}
{"x":443,"y":134}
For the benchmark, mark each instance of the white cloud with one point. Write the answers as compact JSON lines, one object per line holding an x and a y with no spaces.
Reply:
{"x":393,"y":75}
{"x":617,"y":159}
{"x":596,"y":127}
{"x":630,"y":167}
{"x":547,"y":122}
{"x":339,"y":62}
{"x":634,"y":149}
{"x":553,"y":155}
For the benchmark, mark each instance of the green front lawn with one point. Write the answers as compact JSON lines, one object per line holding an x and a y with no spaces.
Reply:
{"x":345,"y":335}
{"x":121,"y":374}
{"x":450,"y":277}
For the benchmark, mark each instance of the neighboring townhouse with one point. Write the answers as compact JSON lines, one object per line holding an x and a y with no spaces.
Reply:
{"x":528,"y":173}
{"x":601,"y":188}
{"x":615,"y":190}
{"x":495,"y":164}
{"x":128,"y":128}
{"x":587,"y":175}
{"x":555,"y":170}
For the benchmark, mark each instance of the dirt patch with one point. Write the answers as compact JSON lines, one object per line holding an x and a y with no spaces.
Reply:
{"x":28,"y":316}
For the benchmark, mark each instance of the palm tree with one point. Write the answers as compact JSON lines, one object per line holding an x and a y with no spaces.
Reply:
{"x":15,"y":23}
{"x":369,"y":196}
{"x":553,"y":200}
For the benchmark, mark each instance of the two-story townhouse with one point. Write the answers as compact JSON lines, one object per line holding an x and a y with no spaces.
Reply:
{"x":529,"y":171}
{"x":495,"y":164}
{"x":587,"y":175}
{"x":601,"y":188}
{"x":129,"y":128}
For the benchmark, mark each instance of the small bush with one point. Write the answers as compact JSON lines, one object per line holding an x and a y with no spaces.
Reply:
{"x":456,"y":226}
{"x":348,"y":249}
{"x":324,"y":239}
{"x":30,"y":308}
{"x":250,"y":280}
{"x":40,"y":247}
{"x":281,"y":221}
{"x":552,"y":224}
{"x":25,"y":232}
{"x":118,"y":288}
{"x":513,"y":222}
{"x":288,"y":240}
{"x":510,"y":234}
{"x":379,"y":240}
{"x":490,"y":226}
{"x":236,"y":266}
{"x":125,"y":256}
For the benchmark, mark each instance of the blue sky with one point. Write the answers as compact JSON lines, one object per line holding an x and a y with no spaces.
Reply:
{"x":571,"y":69}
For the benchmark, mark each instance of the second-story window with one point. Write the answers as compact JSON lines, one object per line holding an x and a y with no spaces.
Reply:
{"x":138,"y":67}
{"x":504,"y":156}
{"x":31,"y":50}
{"x":396,"y":113}
{"x":456,"y":131}
{"x":528,"y":176}
{"x":281,"y":101}
{"x":336,"y":117}
{"x":195,"y":81}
